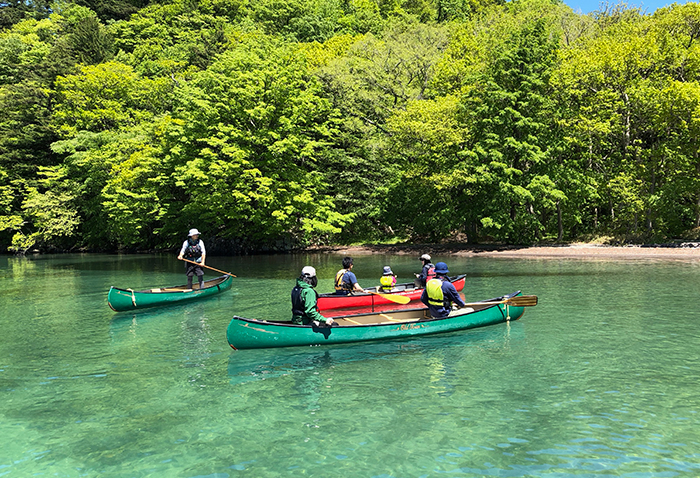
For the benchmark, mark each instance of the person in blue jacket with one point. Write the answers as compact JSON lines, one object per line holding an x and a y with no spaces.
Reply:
{"x":439,"y":293}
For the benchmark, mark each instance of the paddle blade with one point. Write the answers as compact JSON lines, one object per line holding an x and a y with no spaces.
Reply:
{"x":399,"y":299}
{"x":523,"y":301}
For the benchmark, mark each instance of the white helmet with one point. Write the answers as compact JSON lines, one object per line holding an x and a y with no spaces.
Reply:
{"x":425,"y":257}
{"x":308,"y":271}
{"x":193,"y":232}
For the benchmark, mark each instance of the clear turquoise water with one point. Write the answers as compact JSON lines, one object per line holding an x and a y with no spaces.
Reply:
{"x":600,"y":379}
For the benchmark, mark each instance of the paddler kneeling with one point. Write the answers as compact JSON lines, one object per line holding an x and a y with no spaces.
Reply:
{"x":304,"y":298}
{"x":439,"y":293}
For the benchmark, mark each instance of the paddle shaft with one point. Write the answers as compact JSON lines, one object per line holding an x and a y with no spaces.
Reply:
{"x":208,"y":267}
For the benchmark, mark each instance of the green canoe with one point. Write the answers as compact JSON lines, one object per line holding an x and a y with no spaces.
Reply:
{"x":128,"y":299}
{"x":252,"y":333}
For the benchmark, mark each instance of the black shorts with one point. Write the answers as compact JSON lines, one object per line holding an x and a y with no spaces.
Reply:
{"x":193,"y":269}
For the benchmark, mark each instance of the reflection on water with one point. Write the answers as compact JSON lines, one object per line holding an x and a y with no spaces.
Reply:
{"x":441,"y":351}
{"x":600,"y":379}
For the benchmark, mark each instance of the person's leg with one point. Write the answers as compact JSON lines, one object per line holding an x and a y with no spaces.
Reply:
{"x":200,"y":277}
{"x":190,"y":272}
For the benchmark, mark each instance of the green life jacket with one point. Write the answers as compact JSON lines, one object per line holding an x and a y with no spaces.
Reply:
{"x":434,"y":290}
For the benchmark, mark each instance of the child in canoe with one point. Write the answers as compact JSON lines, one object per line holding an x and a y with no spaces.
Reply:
{"x":388,"y":280}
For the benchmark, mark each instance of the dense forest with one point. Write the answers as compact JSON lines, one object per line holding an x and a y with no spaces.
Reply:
{"x":123,"y":123}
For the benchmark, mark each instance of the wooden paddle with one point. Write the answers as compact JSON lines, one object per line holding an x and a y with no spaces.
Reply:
{"x":399,"y":299}
{"x":217,"y":270}
{"x":519,"y":301}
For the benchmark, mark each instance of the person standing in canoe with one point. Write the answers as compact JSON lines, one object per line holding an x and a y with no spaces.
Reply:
{"x":427,"y":273}
{"x":345,"y":280}
{"x":388,"y":279}
{"x":304,"y":298}
{"x":439,"y":293}
{"x":193,"y":250}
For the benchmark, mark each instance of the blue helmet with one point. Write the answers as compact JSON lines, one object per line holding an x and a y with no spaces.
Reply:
{"x":441,"y":268}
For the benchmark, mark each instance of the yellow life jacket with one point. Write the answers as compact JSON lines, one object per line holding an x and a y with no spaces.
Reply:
{"x":339,"y":284}
{"x":387,"y":282}
{"x":434,"y":290}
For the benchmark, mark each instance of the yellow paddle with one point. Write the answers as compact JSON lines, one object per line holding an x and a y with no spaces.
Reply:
{"x":399,"y":299}
{"x":217,"y":270}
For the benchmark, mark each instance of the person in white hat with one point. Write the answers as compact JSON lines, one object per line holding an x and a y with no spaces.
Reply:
{"x":304,"y":299}
{"x":427,"y":273}
{"x":193,"y":250}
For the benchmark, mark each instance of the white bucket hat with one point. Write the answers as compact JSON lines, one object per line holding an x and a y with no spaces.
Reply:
{"x":308,"y":271}
{"x":193,"y":232}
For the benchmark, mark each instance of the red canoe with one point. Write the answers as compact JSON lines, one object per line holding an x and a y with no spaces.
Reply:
{"x":333,"y":301}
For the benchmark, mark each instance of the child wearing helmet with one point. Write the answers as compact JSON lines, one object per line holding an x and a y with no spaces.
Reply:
{"x":304,"y":298}
{"x":193,"y":250}
{"x":388,"y":279}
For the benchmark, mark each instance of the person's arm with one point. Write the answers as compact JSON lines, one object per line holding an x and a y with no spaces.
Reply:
{"x":453,"y":295}
{"x":308,"y":296}
{"x":353,"y":281}
{"x":182,"y":251}
{"x":204,"y":251}
{"x":423,"y":273}
{"x":424,"y":297}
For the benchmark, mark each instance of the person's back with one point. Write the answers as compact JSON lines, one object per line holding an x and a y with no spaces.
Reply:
{"x":388,"y":279}
{"x":345,"y":280}
{"x":304,"y":300}
{"x":439,"y":293}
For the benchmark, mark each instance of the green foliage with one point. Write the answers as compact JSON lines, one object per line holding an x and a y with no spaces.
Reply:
{"x":126,"y":122}
{"x":14,"y":11}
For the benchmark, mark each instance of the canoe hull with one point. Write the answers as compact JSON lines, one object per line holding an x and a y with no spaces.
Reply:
{"x":333,"y":301}
{"x":124,"y":299}
{"x":250,"y":333}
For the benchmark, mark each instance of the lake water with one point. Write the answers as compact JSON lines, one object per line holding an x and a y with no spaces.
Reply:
{"x":600,"y":379}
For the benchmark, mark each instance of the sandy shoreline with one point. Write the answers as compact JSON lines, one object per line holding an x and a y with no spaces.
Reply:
{"x":573,"y":251}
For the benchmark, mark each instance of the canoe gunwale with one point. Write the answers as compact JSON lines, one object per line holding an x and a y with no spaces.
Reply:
{"x":175,"y":289}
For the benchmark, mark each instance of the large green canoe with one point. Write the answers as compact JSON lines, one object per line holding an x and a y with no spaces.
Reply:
{"x":128,"y":299}
{"x":252,"y":333}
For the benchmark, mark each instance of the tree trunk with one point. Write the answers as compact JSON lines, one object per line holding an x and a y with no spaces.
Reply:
{"x":612,"y":212}
{"x":595,"y":218}
{"x":650,"y":224}
{"x":561,"y":224}
{"x":626,"y":140}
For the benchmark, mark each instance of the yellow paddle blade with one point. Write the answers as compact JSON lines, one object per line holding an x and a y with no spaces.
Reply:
{"x":399,"y":299}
